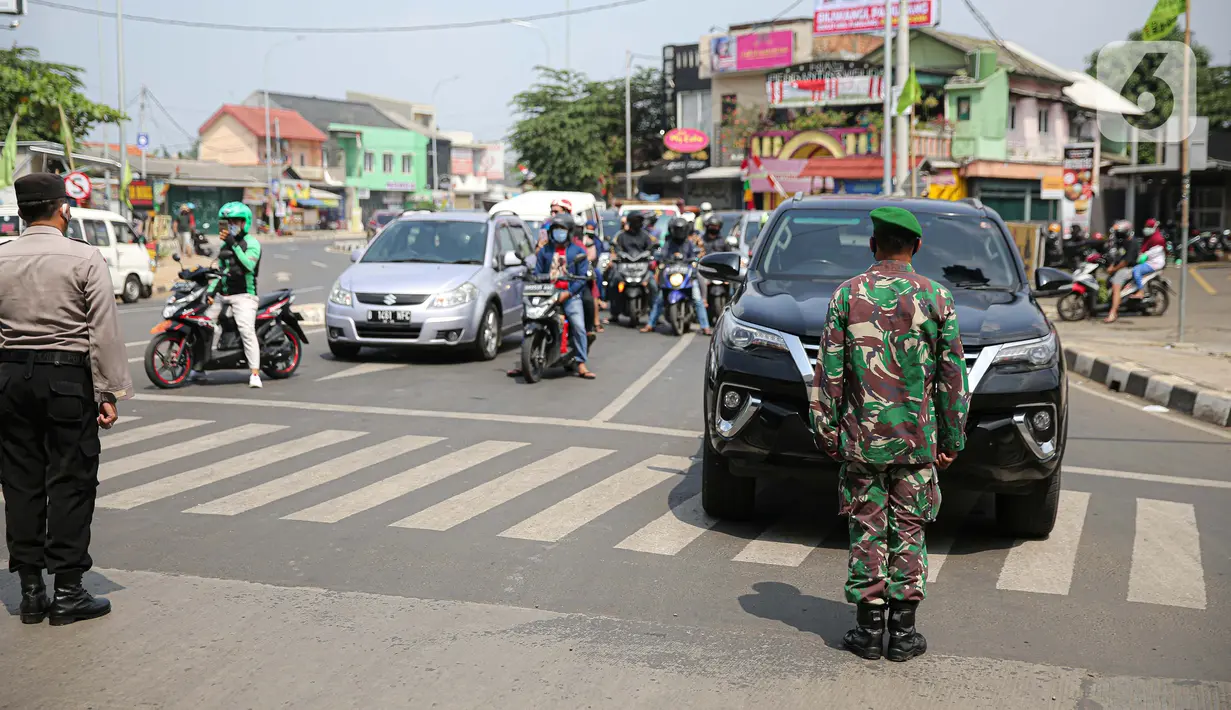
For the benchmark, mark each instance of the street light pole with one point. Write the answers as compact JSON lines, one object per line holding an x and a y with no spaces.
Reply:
{"x":119,"y":50}
{"x":1185,"y":170}
{"x":542,"y":36}
{"x":628,"y":124}
{"x":902,"y":130}
{"x":269,"y":149}
{"x":435,"y":130}
{"x":887,"y":110}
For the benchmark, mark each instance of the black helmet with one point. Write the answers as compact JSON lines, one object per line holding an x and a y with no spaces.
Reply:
{"x":713,"y":221}
{"x":561,"y":222}
{"x":636,"y":217}
{"x":678,"y":229}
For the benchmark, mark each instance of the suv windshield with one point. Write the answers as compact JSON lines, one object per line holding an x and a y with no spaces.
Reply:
{"x":832,"y":245}
{"x":429,"y":242}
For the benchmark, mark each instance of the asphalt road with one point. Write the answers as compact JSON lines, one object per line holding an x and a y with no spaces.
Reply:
{"x":420,"y":530}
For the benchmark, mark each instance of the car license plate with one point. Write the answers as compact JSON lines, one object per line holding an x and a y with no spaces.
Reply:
{"x":389,"y":316}
{"x":538,"y":289}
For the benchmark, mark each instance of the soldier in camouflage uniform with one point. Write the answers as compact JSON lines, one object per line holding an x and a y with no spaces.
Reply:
{"x":889,"y":400}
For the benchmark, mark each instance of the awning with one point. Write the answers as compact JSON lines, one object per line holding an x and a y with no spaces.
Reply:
{"x":322,"y":198}
{"x":860,"y":168}
{"x":725,"y":172}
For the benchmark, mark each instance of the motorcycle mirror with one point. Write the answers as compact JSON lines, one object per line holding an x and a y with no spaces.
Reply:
{"x":175,"y":257}
{"x":510,"y":259}
{"x":580,"y":258}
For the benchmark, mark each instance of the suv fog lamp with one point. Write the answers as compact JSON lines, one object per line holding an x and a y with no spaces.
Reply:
{"x":731,"y":399}
{"x":1041,"y":421}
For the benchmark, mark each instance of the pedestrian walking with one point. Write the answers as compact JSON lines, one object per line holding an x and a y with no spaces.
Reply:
{"x":63,"y":367}
{"x":889,"y":400}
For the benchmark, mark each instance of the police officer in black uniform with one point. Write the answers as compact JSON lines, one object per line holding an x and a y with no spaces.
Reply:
{"x":63,"y":367}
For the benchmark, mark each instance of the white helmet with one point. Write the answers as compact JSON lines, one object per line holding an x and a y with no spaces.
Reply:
{"x":707,"y":207}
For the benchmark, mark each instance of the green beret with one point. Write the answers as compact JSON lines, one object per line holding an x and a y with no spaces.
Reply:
{"x":897,"y":219}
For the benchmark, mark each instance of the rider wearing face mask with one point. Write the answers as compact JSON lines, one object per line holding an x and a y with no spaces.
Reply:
{"x":679,"y":247}
{"x":240,"y":264}
{"x":712,"y":238}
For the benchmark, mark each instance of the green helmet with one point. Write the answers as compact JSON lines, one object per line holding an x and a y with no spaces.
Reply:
{"x":236,"y":210}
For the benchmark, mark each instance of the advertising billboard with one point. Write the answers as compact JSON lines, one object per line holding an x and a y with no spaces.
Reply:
{"x":757,"y":50}
{"x":826,"y":83}
{"x":841,"y":17}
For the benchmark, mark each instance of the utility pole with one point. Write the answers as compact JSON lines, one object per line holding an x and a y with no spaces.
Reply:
{"x":279,"y":161}
{"x":119,"y":51}
{"x":568,"y":34}
{"x":887,"y":132}
{"x":628,"y":124}
{"x":902,"y":130}
{"x":1185,"y":168}
{"x":141,"y":129}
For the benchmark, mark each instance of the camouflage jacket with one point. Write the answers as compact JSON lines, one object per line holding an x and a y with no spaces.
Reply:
{"x":890,"y":383}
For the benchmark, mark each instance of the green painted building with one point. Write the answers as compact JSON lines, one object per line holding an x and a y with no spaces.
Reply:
{"x":386,"y":168}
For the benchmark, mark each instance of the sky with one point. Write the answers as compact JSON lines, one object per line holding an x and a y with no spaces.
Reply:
{"x":193,"y":71}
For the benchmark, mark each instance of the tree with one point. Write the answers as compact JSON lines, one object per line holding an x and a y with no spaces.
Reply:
{"x":36,"y":89}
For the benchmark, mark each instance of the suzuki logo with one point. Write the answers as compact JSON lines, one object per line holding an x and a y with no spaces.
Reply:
{"x":390,"y":299}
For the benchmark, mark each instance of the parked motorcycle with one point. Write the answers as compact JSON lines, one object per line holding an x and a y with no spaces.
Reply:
{"x":628,"y":286}
{"x":1204,"y":246}
{"x":1090,"y":293}
{"x":545,"y":329}
{"x":676,"y":278}
{"x":185,"y":338}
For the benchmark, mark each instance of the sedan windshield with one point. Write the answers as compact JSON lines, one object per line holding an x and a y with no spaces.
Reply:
{"x":832,"y":245}
{"x":429,"y":242}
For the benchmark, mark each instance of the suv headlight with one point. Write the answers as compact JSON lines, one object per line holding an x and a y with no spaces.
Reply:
{"x":743,"y":336}
{"x":465,"y":293}
{"x":1032,"y":354}
{"x":340,"y":296}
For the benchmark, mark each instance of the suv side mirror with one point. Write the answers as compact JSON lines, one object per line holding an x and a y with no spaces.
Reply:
{"x":510,"y":259}
{"x":723,"y":266}
{"x":1050,"y":281}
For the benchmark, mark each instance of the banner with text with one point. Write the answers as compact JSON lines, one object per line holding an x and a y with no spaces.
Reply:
{"x":840,"y":17}
{"x":826,"y":83}
{"x":758,"y":50}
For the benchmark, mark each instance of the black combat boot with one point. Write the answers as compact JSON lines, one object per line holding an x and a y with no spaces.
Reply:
{"x":904,"y":641}
{"x":34,"y":602}
{"x":867,"y":639}
{"x":73,"y":603}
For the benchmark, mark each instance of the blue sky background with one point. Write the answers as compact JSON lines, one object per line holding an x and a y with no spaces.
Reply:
{"x":193,"y":71}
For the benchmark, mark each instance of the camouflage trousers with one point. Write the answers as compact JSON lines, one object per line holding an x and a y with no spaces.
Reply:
{"x":888,"y":507}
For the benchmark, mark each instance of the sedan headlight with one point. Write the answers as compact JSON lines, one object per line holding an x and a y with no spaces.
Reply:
{"x":340,"y":296}
{"x":1033,"y":354}
{"x":743,"y":336}
{"x":463,"y":294}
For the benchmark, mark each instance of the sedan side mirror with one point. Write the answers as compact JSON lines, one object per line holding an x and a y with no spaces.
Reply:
{"x":723,"y":266}
{"x":511,"y":260}
{"x":356,"y":255}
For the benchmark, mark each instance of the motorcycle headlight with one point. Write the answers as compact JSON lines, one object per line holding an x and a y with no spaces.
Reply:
{"x":463,"y":294}
{"x":1032,"y":354}
{"x":676,"y":280}
{"x":744,"y":336}
{"x":169,"y":310}
{"x":340,"y":296}
{"x":538,"y":310}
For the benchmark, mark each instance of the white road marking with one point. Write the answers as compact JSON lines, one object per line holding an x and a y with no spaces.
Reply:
{"x":313,"y":476}
{"x":1166,"y":566}
{"x":281,"y":256}
{"x":132,"y":436}
{"x":1150,"y":477}
{"x":222,"y":470}
{"x":188,"y":447}
{"x":629,"y":394}
{"x":366,"y":368}
{"x":479,"y":500}
{"x":319,"y":265}
{"x":135,"y":343}
{"x":671,"y":533}
{"x":1046,"y":566}
{"x":396,"y":486}
{"x":1089,"y":387}
{"x":282,"y":277}
{"x":941,"y":544}
{"x":131,"y":360}
{"x":565,"y":517}
{"x":786,"y":544}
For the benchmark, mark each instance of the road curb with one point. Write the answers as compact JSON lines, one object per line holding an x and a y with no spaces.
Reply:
{"x":346,"y":246}
{"x":313,"y":314}
{"x":1170,"y":391}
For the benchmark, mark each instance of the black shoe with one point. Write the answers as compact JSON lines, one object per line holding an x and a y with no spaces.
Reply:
{"x":34,"y":601}
{"x":73,"y":603}
{"x":905,"y":642}
{"x":867,"y":638}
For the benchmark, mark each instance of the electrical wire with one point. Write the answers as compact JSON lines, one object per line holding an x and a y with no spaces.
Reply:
{"x":987,"y":27}
{"x":340,"y":30}
{"x":167,"y":113}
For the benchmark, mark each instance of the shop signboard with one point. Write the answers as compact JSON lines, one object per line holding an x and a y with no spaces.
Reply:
{"x":1051,"y":187}
{"x":491,"y":162}
{"x":752,"y":51}
{"x":686,"y":140}
{"x":1079,"y":168}
{"x":296,"y":190}
{"x":399,"y":186}
{"x":841,"y":17}
{"x":826,"y":83}
{"x":140,"y":194}
{"x":462,"y":161}
{"x":254,"y":196}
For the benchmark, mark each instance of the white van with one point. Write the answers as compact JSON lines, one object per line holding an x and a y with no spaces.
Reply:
{"x":132,"y":275}
{"x":535,"y":207}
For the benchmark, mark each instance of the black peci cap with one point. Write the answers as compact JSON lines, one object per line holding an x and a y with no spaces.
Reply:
{"x":39,"y":187}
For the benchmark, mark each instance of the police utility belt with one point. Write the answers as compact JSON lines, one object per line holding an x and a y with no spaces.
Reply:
{"x":46,"y":357}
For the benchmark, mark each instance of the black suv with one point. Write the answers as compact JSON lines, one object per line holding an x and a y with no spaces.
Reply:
{"x":761,"y":361}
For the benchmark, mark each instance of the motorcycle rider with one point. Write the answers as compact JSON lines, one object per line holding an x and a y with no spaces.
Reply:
{"x":680,"y":246}
{"x":239,"y":260}
{"x":559,"y":258}
{"x":1153,"y":256}
{"x":706,"y":211}
{"x":1122,"y":271}
{"x":558,"y":206}
{"x":711,"y":238}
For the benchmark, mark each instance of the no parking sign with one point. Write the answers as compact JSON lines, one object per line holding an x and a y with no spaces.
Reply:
{"x":77,"y":185}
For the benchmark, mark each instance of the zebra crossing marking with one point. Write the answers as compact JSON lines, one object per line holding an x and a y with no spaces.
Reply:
{"x":476,"y":501}
{"x":784,"y":544}
{"x":670,"y":533}
{"x":396,"y":486}
{"x":1046,"y":566}
{"x":565,"y":517}
{"x":1166,"y":567}
{"x":228,"y":468}
{"x":149,"y":431}
{"x":313,"y":476}
{"x":191,"y":447}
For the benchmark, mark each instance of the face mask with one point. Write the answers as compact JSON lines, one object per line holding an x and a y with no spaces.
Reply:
{"x":559,"y":236}
{"x":1148,"y":231}
{"x":66,"y":214}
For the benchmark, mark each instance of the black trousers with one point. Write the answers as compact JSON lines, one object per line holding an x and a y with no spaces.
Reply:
{"x":587,"y":304}
{"x":48,"y":465}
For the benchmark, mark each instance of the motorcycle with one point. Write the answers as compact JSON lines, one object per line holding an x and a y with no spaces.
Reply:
{"x":676,"y":278}
{"x":719,"y":292}
{"x":185,"y":338}
{"x":545,"y":329}
{"x":1089,"y":295}
{"x":628,"y":286}
{"x":200,"y":244}
{"x":1204,"y":246}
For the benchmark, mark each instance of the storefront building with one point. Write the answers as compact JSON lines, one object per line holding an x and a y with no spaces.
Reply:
{"x":386,"y":168}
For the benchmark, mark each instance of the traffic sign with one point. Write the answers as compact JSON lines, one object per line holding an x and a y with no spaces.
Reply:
{"x":143,"y":140}
{"x":78,"y":186}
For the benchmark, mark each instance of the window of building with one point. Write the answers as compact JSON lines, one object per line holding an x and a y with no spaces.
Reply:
{"x":1044,"y":120}
{"x":1012,"y":117}
{"x":369,"y":162}
{"x":693,"y":109}
{"x":963,"y":108}
{"x":386,"y":163}
{"x":303,"y":159}
{"x":407,"y":164}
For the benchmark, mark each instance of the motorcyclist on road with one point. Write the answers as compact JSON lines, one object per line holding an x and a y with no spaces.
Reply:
{"x":678,"y":246}
{"x":711,"y":238}
{"x":1126,"y":250}
{"x":706,"y":211}
{"x":634,"y":238}
{"x":558,"y":206}
{"x":559,"y":258}
{"x":239,"y":260}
